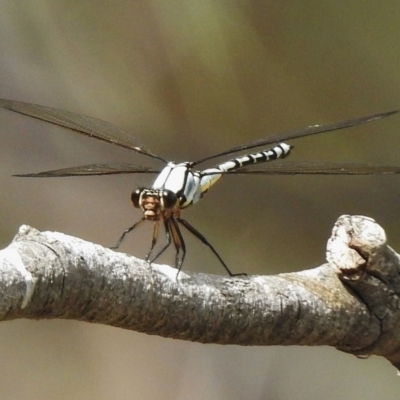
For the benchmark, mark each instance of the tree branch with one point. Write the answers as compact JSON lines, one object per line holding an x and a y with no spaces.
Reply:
{"x":351,"y":303}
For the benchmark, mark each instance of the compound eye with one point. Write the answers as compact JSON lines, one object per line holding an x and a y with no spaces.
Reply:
{"x":135,"y":197}
{"x":169,"y":199}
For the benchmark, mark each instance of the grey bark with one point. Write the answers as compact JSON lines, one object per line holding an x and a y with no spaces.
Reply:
{"x":351,"y":302}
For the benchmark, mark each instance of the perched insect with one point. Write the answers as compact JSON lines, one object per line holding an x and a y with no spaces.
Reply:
{"x":179,"y":185}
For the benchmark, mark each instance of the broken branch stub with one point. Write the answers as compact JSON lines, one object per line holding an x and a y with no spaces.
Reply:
{"x":370,"y":269}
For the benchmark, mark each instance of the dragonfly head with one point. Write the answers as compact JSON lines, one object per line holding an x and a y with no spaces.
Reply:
{"x":155,"y":202}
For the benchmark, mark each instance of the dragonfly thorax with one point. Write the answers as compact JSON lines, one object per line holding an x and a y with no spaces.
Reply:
{"x":182,"y":180}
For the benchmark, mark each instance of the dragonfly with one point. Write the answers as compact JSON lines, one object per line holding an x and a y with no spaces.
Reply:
{"x":180,"y":185}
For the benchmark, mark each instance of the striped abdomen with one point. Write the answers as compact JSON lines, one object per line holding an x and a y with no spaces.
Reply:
{"x":211,"y":175}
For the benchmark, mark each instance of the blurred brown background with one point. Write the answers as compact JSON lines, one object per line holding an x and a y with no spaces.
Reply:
{"x":192,"y":78}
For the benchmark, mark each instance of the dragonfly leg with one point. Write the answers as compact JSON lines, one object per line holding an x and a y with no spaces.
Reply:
{"x":196,"y":233}
{"x":156,"y":231}
{"x":130,"y":229}
{"x":168,"y":236}
{"x":179,"y":244}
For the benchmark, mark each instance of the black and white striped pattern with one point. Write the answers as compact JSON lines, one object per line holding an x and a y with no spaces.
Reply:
{"x":280,"y":151}
{"x":211,"y":175}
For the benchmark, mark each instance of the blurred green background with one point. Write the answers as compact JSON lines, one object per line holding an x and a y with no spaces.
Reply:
{"x":189,"y":79}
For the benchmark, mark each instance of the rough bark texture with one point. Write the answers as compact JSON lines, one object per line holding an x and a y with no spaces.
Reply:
{"x":352,"y":302}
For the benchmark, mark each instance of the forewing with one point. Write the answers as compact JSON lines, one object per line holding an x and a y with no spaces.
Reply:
{"x":92,"y":169}
{"x":89,"y":126}
{"x":298,"y":133}
{"x":318,"y":168}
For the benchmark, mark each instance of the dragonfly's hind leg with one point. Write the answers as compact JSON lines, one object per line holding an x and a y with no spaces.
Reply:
{"x":179,"y":244}
{"x":196,"y":233}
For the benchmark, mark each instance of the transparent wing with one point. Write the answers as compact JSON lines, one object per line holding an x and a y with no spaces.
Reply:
{"x":317,"y":168}
{"x":89,"y":126}
{"x":93,"y":169}
{"x":310,"y":130}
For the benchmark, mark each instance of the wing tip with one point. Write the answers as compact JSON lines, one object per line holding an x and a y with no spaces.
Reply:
{"x":39,"y":175}
{"x":388,"y":113}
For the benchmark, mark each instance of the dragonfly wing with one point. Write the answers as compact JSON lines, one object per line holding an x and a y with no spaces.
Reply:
{"x":92,"y":169}
{"x":89,"y":126}
{"x":298,"y":133}
{"x":318,"y":168}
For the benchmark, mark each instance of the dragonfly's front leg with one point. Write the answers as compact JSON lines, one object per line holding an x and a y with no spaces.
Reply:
{"x":155,"y":238}
{"x":130,"y":229}
{"x":156,"y":231}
